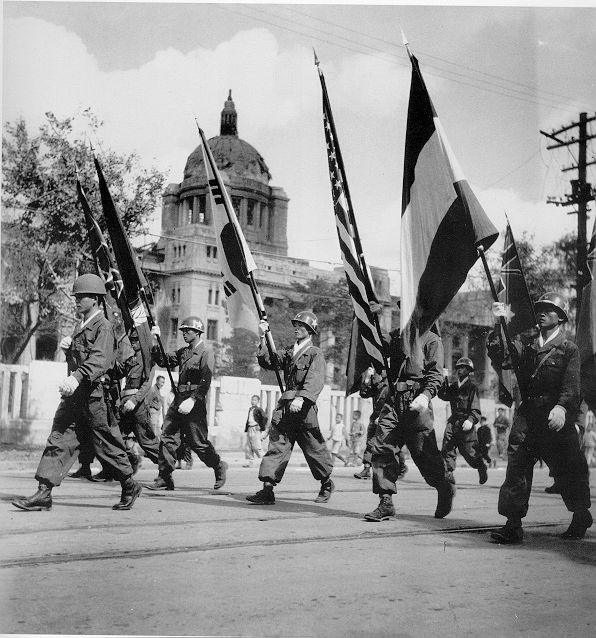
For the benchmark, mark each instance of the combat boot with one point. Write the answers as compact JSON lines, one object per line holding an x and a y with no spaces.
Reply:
{"x":41,"y":500}
{"x":130,"y":492}
{"x":482,"y":475}
{"x":384,"y":511}
{"x":510,"y":534}
{"x":580,"y":523}
{"x":220,"y":475}
{"x":365,"y":474}
{"x":101,"y":477}
{"x":327,"y":488}
{"x":135,"y":463}
{"x":446,"y":492}
{"x":164,"y":482}
{"x":83,"y":472}
{"x":264,"y":496}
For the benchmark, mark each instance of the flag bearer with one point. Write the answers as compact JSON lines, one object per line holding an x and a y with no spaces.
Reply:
{"x":295,"y":418}
{"x":544,"y":424}
{"x":407,"y":419}
{"x":187,"y":414}
{"x":85,"y":410}
{"x":460,"y":434}
{"x":135,"y":418}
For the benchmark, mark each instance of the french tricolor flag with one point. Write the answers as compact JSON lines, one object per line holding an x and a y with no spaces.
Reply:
{"x":442,"y":223}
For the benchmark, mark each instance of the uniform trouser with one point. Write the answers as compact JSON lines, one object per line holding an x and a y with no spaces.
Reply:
{"x":191,"y":426}
{"x":281,"y":444}
{"x":415,"y":430}
{"x":370,"y":433}
{"x":531,"y":439}
{"x":83,"y":418}
{"x":183,"y":453}
{"x":138,"y":423}
{"x":454,"y":440}
{"x":154,"y":421}
{"x":253,"y":446}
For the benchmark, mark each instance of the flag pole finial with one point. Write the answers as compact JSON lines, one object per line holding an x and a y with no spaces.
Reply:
{"x":405,"y":41}
{"x":316,"y":59}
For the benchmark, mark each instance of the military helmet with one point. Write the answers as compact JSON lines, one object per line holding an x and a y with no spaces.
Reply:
{"x":558,"y":301}
{"x":89,"y":284}
{"x":192,"y":323}
{"x":308,"y":319}
{"x":464,"y":361}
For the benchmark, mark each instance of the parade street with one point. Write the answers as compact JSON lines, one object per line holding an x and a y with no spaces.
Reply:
{"x":198,"y":562}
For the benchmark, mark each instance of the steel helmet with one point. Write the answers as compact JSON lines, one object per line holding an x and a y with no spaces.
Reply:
{"x":556,"y":300}
{"x":464,"y":361}
{"x":192,"y":323}
{"x":308,"y":319}
{"x":89,"y":283}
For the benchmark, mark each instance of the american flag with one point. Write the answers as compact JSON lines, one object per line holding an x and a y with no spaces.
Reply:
{"x":357,"y":275}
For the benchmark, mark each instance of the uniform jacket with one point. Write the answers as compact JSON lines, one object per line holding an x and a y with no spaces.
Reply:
{"x":195,"y":365}
{"x":260,"y":417}
{"x":464,"y":401}
{"x":92,"y":354}
{"x":549,"y":374}
{"x":133,"y":370}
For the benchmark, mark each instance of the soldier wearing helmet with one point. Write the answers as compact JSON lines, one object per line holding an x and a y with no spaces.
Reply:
{"x":544,"y":425}
{"x":187,"y":415}
{"x":460,"y":433}
{"x":295,"y":418}
{"x":85,"y":413}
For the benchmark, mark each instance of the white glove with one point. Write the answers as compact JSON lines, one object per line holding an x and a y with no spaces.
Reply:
{"x":263,"y":327}
{"x":186,"y":406}
{"x":556,"y":418}
{"x":128,"y":406}
{"x":498,"y":309}
{"x":297,"y":404}
{"x":65,"y":343}
{"x":467,"y":425}
{"x":375,"y":307}
{"x":68,"y":386}
{"x":155,"y":331}
{"x":420,"y":403}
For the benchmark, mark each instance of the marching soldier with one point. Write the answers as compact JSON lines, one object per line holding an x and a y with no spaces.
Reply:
{"x":544,"y":424}
{"x":187,"y":414}
{"x":85,"y":411}
{"x":465,"y":414}
{"x":295,"y":418}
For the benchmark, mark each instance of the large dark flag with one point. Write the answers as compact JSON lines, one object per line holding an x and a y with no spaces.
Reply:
{"x":586,"y":330}
{"x":366,"y":347}
{"x":442,"y":223}
{"x":133,"y":279}
{"x":235,"y":259}
{"x":514,"y":294}
{"x":102,"y":257}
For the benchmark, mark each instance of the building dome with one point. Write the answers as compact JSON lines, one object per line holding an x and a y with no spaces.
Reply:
{"x":232,"y":155}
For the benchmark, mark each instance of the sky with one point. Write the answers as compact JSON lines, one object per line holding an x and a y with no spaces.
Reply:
{"x":497,"y":75}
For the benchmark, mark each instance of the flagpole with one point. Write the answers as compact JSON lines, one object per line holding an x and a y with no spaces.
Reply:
{"x":251,"y":281}
{"x":370,"y":291}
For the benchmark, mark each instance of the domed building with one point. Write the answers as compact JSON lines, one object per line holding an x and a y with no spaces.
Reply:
{"x":184,"y":262}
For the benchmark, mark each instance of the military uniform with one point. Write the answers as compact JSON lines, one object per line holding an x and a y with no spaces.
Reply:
{"x":465,"y":405}
{"x":304,"y":375}
{"x":138,"y":420}
{"x":86,"y":415}
{"x":549,"y":375}
{"x":398,"y":425}
{"x":195,"y":372}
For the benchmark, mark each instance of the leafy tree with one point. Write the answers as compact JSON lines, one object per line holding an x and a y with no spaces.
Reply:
{"x":44,"y":235}
{"x":238,"y":356}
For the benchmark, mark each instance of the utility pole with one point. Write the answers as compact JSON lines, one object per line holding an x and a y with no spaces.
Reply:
{"x":581,"y":193}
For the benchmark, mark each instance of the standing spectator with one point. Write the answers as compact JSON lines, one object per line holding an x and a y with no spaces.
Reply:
{"x":501,"y":425}
{"x":256,"y":425}
{"x":295,"y":417}
{"x":590,"y":445}
{"x":357,"y":440}
{"x":156,"y":403}
{"x":460,"y":434}
{"x":187,"y":416}
{"x":485,"y":440}
{"x":545,"y":423}
{"x":336,"y":437}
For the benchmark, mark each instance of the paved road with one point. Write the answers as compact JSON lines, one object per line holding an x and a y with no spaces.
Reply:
{"x":204,"y":563}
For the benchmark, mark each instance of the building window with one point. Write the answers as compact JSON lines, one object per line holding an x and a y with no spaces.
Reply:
{"x":211,"y":252}
{"x":184,"y":250}
{"x":174,"y":328}
{"x":201,"y":205}
{"x":173,"y":295}
{"x":250,"y":212}
{"x":236,"y":203}
{"x":263,"y":215}
{"x":210,"y":296}
{"x":189,"y":217}
{"x":217,"y":296}
{"x":212,"y":329}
